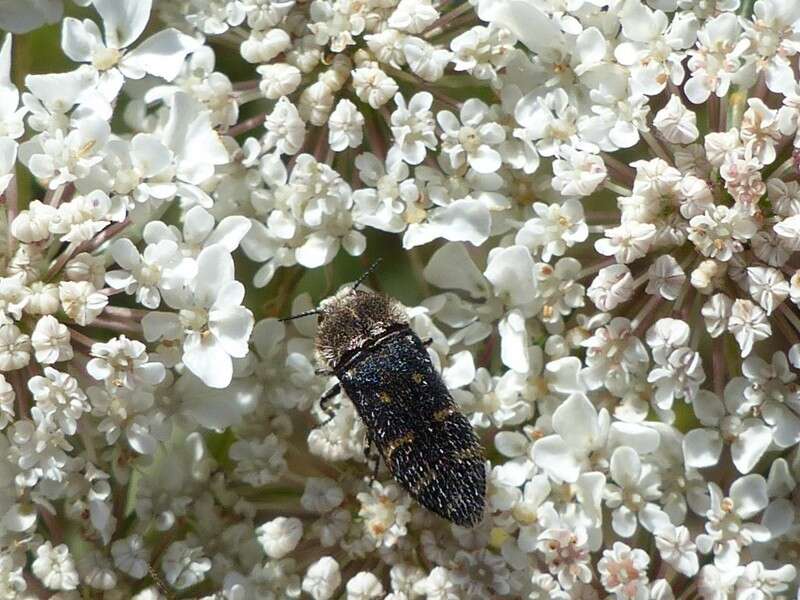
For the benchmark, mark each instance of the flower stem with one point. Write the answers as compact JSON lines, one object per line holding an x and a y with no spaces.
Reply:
{"x":21,"y":394}
{"x":644,"y":316}
{"x":617,"y":189}
{"x":134,"y":327}
{"x":247,"y":125}
{"x":656,"y":147}
{"x":718,"y":366}
{"x":618,"y":170}
{"x":445,"y":19}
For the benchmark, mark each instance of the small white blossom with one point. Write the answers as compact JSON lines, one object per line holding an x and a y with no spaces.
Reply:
{"x":55,"y":567}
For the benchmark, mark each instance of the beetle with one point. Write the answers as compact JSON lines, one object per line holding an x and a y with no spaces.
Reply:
{"x":365,"y":341}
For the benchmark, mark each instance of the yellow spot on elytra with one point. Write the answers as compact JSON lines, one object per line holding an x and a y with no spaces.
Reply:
{"x":443,"y":414}
{"x":396,"y":443}
{"x":417,"y":377}
{"x":471,"y":452}
{"x":385,"y":398}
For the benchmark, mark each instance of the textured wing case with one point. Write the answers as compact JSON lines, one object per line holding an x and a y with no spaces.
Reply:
{"x":429,"y":447}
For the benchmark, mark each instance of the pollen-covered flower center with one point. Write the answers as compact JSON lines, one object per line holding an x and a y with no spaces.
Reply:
{"x":105,"y":58}
{"x":470,"y":139}
{"x":150,"y":274}
{"x":195,"y":319}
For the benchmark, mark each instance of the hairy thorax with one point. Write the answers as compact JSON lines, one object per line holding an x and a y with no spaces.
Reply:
{"x":350,"y":320}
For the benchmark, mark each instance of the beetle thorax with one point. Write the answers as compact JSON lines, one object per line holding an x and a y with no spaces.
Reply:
{"x":350,"y":320}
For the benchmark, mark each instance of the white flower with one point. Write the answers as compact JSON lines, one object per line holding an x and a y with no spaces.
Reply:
{"x":716,"y":62}
{"x":7,"y":397}
{"x":748,"y":437}
{"x":184,"y":565}
{"x":264,"y":45}
{"x":259,"y":462}
{"x":766,"y":391}
{"x":321,"y":495}
{"x":394,"y":195}
{"x":196,"y":147}
{"x":727,"y":532}
{"x":438,"y":585}
{"x":286,"y":131}
{"x":413,"y":127}
{"x":612,"y":286}
{"x":676,"y":123}
{"x":719,"y":232}
{"x":755,"y":579}
{"x":473,"y":139}
{"x":51,"y":341}
{"x":55,"y":567}
{"x":759,"y":130}
{"x":676,"y":548}
{"x":33,"y":224}
{"x":364,"y":586}
{"x":580,"y":430}
{"x":162,"y":54}
{"x":748,"y":323}
{"x":373,"y":86}
{"x":632,"y":494}
{"x":12,"y":582}
{"x":199,"y":232}
{"x":481,"y":50}
{"x":578,"y":173}
{"x":555,"y":228}
{"x":708,"y":276}
{"x":623,"y":571}
{"x":84,"y":216}
{"x":14,"y":296}
{"x":280,"y":536}
{"x":665,"y":277}
{"x":161,"y":265}
{"x":384,"y":510}
{"x":626,"y":243}
{"x":510,"y":271}
{"x":60,"y":157}
{"x":217,"y":326}
{"x":131,"y":556}
{"x":124,"y":362}
{"x":60,"y":398}
{"x":425,"y":60}
{"x":550,"y":120}
{"x":413,"y":16}
{"x":767,"y":286}
{"x":653,"y":51}
{"x":345,"y":126}
{"x":81,"y":301}
{"x":566,"y":554}
{"x":278,"y":80}
{"x":322,"y":578}
{"x":15,"y":348}
{"x":464,"y":220}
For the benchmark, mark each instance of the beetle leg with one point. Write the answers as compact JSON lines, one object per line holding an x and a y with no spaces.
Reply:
{"x":427,"y":342}
{"x":325,"y":405}
{"x":326,"y":372}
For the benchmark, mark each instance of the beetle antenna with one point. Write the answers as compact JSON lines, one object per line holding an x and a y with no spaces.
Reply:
{"x":302,"y":314}
{"x":366,"y":273}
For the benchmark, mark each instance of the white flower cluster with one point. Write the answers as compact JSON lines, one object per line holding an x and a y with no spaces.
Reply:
{"x":600,"y":204}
